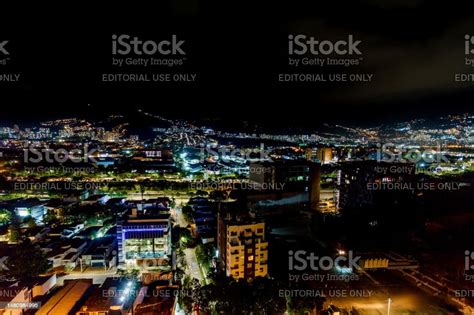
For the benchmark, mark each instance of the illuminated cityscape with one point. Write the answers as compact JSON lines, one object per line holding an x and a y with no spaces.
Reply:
{"x":284,"y":158}
{"x":192,"y":208}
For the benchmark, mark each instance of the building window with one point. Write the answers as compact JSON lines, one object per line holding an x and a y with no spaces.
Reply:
{"x":250,"y":258}
{"x":249,"y":266}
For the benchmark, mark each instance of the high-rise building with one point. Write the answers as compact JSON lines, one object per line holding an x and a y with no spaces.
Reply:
{"x":322,"y":155}
{"x":145,"y":235}
{"x":309,"y":154}
{"x":363,"y":184}
{"x":296,"y":180}
{"x":243,"y":249}
{"x":325,"y":155}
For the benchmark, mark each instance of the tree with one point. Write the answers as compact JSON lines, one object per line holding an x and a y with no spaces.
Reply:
{"x":179,"y":274}
{"x":14,"y":229}
{"x":187,"y":212}
{"x":31,"y":222}
{"x":5,"y":216}
{"x":186,"y":239}
{"x":186,"y":300}
{"x":50,"y":217}
{"x":26,"y":261}
{"x":129,"y":272}
{"x":218,"y":195}
{"x":302,"y":305}
{"x":228,"y":296}
{"x":142,"y":186}
{"x":201,"y":193}
{"x":204,"y":254}
{"x":266,"y":298}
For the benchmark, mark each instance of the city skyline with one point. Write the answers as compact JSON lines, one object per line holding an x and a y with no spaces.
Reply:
{"x":210,"y":158}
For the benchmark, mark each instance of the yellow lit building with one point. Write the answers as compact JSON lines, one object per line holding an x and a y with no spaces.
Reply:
{"x":243,"y":250}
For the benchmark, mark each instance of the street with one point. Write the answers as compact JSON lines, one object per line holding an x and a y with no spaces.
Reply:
{"x":192,"y":264}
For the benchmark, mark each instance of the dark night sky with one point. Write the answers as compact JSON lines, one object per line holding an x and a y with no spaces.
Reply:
{"x":413,"y":48}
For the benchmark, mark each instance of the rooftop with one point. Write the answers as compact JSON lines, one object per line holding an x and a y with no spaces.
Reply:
{"x":113,"y":288}
{"x":63,"y":301}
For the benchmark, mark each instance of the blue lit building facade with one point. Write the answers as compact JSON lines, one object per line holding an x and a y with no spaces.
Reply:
{"x":142,"y":238}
